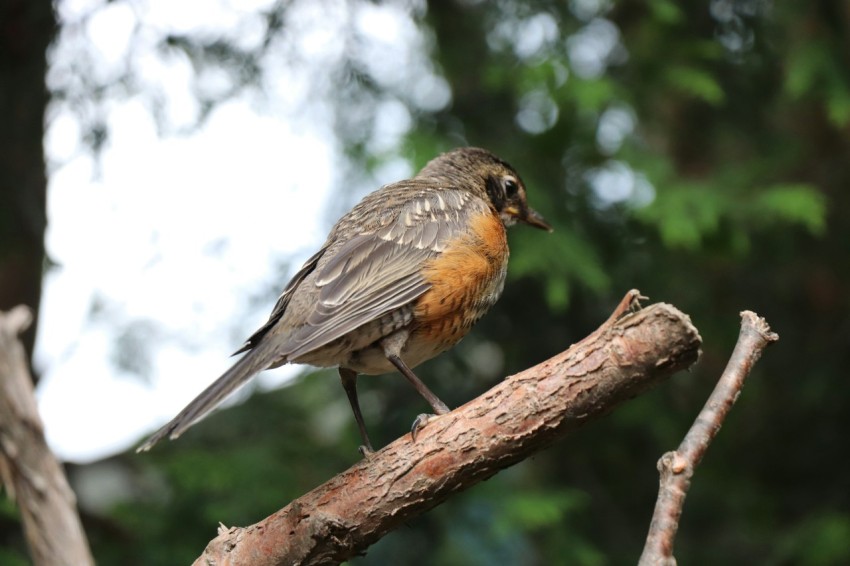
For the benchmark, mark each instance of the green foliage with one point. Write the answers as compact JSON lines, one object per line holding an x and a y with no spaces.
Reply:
{"x":573,"y":260}
{"x":590,"y":95}
{"x":793,"y":203}
{"x":838,"y":105}
{"x":696,"y":82}
{"x":11,"y":558}
{"x":685,"y":214}
{"x":12,"y":548}
{"x":529,"y":510}
{"x":816,"y":70}
{"x":806,"y":65}
{"x":8,"y":509}
{"x":818,"y":540}
{"x":665,"y":11}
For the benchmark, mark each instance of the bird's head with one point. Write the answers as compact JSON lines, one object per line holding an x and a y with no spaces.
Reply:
{"x":481,"y":171}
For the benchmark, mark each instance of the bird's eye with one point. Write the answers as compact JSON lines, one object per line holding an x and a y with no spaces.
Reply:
{"x":511,"y":188}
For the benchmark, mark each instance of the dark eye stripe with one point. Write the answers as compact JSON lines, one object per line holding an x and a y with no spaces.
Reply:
{"x":496,"y":192}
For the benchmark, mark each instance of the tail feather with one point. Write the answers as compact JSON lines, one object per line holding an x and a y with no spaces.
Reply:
{"x":251,"y":364}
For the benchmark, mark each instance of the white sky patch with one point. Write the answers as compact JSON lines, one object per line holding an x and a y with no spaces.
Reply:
{"x":179,"y":232}
{"x":109,"y":31}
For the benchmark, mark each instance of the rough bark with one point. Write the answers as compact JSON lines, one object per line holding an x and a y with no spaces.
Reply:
{"x":28,"y":469}
{"x":630,"y":353}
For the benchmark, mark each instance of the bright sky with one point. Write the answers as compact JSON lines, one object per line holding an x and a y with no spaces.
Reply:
{"x":171,"y":241}
{"x":169,"y":247}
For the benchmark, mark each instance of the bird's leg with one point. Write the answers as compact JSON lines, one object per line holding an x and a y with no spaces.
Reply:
{"x":439,"y":407}
{"x":392,"y":348}
{"x":349,"y":383}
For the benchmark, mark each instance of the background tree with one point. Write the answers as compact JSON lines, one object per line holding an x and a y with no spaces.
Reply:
{"x":26,"y":30}
{"x":698,"y":153}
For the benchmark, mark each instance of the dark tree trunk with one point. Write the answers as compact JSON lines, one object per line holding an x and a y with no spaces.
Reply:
{"x":26,"y":29}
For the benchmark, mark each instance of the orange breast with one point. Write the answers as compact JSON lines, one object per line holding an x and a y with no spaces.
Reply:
{"x":466,"y":280}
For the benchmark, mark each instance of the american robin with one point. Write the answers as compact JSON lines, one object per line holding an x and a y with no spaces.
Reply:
{"x":401,"y":278}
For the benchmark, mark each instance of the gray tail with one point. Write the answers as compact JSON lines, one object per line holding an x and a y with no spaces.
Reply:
{"x":252,"y":363}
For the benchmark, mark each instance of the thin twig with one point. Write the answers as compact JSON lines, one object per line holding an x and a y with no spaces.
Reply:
{"x":677,"y":468}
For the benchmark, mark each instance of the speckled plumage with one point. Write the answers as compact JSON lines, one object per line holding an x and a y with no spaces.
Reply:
{"x":415,"y":263}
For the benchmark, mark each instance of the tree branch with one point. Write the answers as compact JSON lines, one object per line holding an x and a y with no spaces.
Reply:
{"x":28,"y":469}
{"x":521,"y":415}
{"x":677,"y":467}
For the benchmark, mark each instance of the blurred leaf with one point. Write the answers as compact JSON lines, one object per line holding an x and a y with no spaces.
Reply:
{"x":666,"y":11}
{"x":696,"y":82}
{"x":838,"y":106}
{"x":684,"y":214}
{"x":557,"y":293}
{"x":796,"y":203}
{"x":804,"y":66}
{"x":705,"y":50}
{"x":590,"y":95}
{"x":557,"y":258}
{"x":8,"y":557}
{"x":815,"y":70}
{"x":551,"y":73}
{"x":530,"y":510}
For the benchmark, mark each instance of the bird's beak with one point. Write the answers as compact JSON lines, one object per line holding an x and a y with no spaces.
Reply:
{"x":527,"y":216}
{"x":533,"y":218}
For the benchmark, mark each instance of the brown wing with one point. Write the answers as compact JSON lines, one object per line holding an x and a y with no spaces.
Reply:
{"x":378,"y":272}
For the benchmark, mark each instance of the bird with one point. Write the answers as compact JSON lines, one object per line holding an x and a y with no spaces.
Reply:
{"x":401,"y":278}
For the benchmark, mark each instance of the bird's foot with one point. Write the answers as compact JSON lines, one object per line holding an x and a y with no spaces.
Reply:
{"x":366,"y":450}
{"x":419,"y":423}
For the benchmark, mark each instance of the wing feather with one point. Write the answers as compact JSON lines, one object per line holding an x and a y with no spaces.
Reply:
{"x":378,"y":272}
{"x":282,"y":302}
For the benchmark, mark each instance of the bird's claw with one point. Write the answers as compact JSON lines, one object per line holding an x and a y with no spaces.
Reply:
{"x":365,"y":450}
{"x":419,"y":423}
